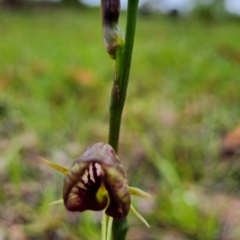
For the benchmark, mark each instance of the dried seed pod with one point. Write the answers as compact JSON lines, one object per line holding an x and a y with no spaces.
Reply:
{"x":97,"y":181}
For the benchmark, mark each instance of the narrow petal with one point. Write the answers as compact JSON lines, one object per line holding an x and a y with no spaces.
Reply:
{"x":139,"y":216}
{"x":138,"y":192}
{"x":60,"y":201}
{"x":56,"y":166}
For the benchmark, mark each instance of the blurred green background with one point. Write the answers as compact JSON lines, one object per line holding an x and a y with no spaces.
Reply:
{"x":183,"y":98}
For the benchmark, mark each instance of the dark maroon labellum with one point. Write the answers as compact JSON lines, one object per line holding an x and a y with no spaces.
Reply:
{"x":81,"y":189}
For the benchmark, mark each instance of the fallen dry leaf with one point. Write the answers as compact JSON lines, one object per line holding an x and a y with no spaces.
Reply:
{"x":4,"y":82}
{"x":231,"y":143}
{"x":82,"y":76}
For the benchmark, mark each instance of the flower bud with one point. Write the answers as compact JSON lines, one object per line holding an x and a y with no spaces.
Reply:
{"x":110,"y":11}
{"x":111,"y":32}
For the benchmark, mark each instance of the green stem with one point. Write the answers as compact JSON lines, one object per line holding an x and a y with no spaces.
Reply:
{"x":115,"y":107}
{"x":120,"y":84}
{"x":104,"y":227}
{"x":109,"y":228}
{"x":118,"y":96}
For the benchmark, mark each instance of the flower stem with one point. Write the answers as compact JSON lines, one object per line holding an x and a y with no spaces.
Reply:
{"x":109,"y":228}
{"x":118,"y":96}
{"x":120,"y":84}
{"x":104,"y":227}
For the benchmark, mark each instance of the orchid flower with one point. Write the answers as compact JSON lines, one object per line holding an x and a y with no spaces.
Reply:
{"x":96,"y":181}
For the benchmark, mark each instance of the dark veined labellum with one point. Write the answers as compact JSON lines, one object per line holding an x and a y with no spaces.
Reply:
{"x":96,"y":181}
{"x":82,"y":184}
